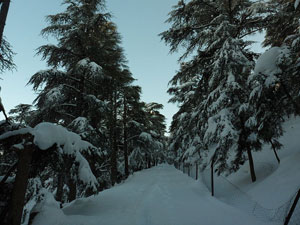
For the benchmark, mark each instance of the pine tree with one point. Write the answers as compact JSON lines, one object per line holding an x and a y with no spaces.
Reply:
{"x":85,"y":96}
{"x":21,"y":114}
{"x":147,"y":139}
{"x":212,"y":34}
{"x":275,"y":80}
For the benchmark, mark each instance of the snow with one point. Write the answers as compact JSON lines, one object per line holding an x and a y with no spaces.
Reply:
{"x":47,"y":203}
{"x":92,"y":67}
{"x":267,"y":62}
{"x":54,"y":94}
{"x":158,"y":196}
{"x":47,"y":135}
{"x":85,"y":174}
{"x":163,"y":195}
{"x":145,"y":136}
{"x":270,"y":197}
{"x":296,"y":4}
{"x":81,"y":126}
{"x":15,"y":132}
{"x":285,"y":178}
{"x":18,"y":146}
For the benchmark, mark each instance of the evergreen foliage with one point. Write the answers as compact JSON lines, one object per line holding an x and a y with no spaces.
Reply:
{"x":274,"y":83}
{"x":211,"y":86}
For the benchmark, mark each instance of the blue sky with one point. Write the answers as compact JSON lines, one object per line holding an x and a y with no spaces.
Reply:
{"x":139,"y":23}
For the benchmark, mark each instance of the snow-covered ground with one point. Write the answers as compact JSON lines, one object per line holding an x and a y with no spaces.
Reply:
{"x":270,"y":197}
{"x":158,"y":196}
{"x":165,"y":196}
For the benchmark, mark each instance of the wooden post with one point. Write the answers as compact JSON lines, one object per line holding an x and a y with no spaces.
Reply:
{"x":20,"y":186}
{"x":287,"y":219}
{"x":196,"y":171}
{"x":251,"y":165}
{"x":212,"y":178}
{"x":189,"y":170}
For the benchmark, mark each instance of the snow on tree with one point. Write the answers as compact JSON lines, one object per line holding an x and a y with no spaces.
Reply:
{"x":147,"y":145}
{"x":35,"y":148}
{"x":21,"y":114}
{"x":212,"y":34}
{"x":82,"y":95}
{"x":275,"y":80}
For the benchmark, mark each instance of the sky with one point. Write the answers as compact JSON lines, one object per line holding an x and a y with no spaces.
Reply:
{"x":139,"y":23}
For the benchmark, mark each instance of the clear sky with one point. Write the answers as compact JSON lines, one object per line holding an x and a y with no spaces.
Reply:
{"x":139,"y":23}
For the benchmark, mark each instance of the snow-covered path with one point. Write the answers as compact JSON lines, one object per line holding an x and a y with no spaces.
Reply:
{"x":158,"y":196}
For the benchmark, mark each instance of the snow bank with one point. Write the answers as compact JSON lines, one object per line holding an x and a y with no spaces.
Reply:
{"x":48,"y":205}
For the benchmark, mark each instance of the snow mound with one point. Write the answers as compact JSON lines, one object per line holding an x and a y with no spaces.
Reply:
{"x":267,"y":63}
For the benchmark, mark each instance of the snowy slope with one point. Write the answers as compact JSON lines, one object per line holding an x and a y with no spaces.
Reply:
{"x":276,"y":183}
{"x":158,"y":196}
{"x":270,"y":197}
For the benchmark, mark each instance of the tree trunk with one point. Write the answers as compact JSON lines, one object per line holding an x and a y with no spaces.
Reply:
{"x":287,"y":219}
{"x":72,"y":190}
{"x":125,"y":146}
{"x":20,"y":186}
{"x":113,"y":158}
{"x":3,"y":16}
{"x":274,"y":150}
{"x":60,"y":186}
{"x":251,"y":165}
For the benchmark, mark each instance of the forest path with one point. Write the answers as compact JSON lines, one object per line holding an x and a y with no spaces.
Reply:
{"x":158,"y":196}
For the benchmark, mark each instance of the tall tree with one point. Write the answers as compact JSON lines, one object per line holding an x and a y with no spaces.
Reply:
{"x":87,"y":71}
{"x":3,"y":15}
{"x":212,"y":33}
{"x":6,"y":53}
{"x":275,"y":80}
